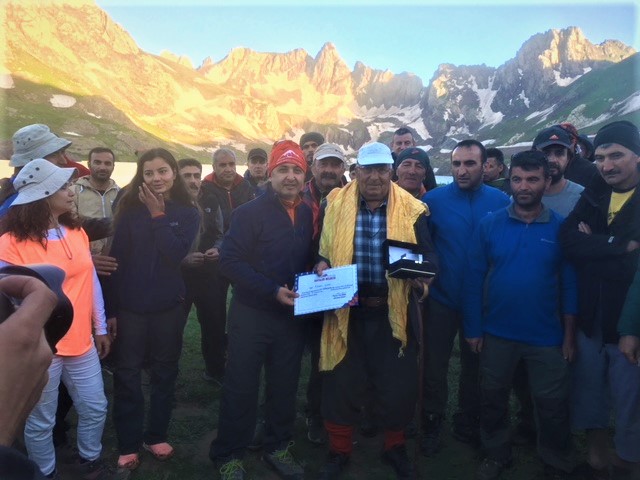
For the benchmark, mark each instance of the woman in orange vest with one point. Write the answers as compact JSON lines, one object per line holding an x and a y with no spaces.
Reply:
{"x":42,"y":227}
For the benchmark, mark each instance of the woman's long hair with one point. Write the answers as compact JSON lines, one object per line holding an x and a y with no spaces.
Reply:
{"x":178,"y":193}
{"x":31,"y":221}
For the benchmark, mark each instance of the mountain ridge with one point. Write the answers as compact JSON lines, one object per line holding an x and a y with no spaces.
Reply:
{"x":256,"y":97}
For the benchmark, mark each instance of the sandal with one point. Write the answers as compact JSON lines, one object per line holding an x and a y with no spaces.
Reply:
{"x":161,"y":451}
{"x":129,"y":462}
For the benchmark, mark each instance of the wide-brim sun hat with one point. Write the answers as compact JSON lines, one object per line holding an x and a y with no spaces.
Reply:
{"x":34,"y":141}
{"x":40,"y":179}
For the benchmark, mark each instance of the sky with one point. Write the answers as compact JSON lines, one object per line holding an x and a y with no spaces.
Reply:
{"x":411,"y":35}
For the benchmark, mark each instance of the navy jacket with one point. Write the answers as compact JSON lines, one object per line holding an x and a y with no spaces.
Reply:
{"x":605,"y":268}
{"x":149,"y":252}
{"x":263,"y":250}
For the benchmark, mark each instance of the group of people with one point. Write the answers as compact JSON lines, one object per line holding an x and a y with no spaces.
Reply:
{"x":536,"y":273}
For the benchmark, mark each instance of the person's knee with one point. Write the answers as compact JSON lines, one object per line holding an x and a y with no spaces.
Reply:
{"x":494,"y":408}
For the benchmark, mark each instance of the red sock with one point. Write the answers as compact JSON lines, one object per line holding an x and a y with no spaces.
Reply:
{"x":393,"y":438}
{"x":340,"y":437}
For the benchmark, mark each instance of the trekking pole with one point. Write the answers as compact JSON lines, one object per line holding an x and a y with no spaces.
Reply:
{"x":418,"y":302}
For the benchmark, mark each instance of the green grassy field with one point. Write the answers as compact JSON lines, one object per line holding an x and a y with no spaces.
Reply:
{"x":196,"y":415}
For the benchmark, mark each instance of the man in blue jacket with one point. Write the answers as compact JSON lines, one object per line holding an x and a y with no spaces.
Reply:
{"x":455,"y":212}
{"x":268,"y":242}
{"x":515,"y":286}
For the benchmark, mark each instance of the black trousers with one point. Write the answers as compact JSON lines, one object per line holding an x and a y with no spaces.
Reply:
{"x":548,"y":374}
{"x":373,"y":364}
{"x":258,"y":338}
{"x":314,"y":385}
{"x":161,"y":333}
{"x":441,"y":326}
{"x":207,"y":290}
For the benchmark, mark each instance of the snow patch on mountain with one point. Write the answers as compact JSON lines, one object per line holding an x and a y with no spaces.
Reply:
{"x":564,"y":82}
{"x":62,"y":101}
{"x":524,"y":98}
{"x":6,"y":81}
{"x":485,"y":97}
{"x":542,"y":113}
{"x":631,"y":104}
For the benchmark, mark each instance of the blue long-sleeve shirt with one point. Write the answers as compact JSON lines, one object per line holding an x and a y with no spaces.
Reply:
{"x":149,"y":252}
{"x":518,"y":281}
{"x":455,"y":213}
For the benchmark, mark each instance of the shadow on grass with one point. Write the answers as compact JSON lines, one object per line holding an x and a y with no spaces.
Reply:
{"x":195,"y":417}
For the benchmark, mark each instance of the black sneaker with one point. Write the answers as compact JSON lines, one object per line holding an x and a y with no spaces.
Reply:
{"x":431,"y":441}
{"x":258,"y":437}
{"x":315,"y":432}
{"x":96,"y":470}
{"x":334,"y":466}
{"x":491,"y":469}
{"x":232,"y":469}
{"x":397,"y":457}
{"x":284,"y":464}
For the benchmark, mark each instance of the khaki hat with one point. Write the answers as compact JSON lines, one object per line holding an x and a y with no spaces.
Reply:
{"x":34,"y":141}
{"x":328,"y":150}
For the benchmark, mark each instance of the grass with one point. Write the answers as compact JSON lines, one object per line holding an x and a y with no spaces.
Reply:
{"x":194,"y":426}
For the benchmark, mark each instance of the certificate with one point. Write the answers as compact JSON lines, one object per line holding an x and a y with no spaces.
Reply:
{"x":336,"y":288}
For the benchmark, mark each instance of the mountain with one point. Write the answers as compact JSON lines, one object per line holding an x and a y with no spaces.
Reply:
{"x":71,"y":66}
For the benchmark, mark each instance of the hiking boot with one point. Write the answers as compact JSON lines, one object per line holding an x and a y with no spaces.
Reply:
{"x":96,"y":470}
{"x":397,"y":457}
{"x":431,"y":441}
{"x":258,"y":437}
{"x":284,"y":464}
{"x":334,"y":466}
{"x":232,"y":469}
{"x":315,"y":432}
{"x":491,"y":469}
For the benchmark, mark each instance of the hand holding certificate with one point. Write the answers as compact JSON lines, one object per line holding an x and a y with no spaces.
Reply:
{"x":336,"y":288}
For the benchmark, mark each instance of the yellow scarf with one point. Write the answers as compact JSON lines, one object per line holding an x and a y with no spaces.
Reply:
{"x":336,"y":245}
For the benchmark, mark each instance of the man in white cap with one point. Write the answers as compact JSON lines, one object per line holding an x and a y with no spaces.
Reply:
{"x":381,"y":349}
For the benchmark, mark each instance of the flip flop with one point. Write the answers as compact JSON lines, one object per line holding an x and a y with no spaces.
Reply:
{"x":129,"y":462}
{"x":161,"y":451}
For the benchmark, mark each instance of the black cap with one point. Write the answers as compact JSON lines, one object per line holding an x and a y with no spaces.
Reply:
{"x":311,"y":137}
{"x":414,"y":153}
{"x":257,"y":152}
{"x":555,"y":135}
